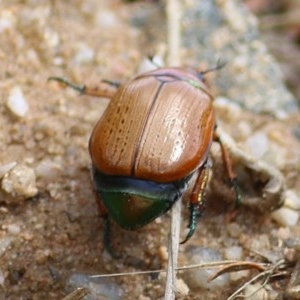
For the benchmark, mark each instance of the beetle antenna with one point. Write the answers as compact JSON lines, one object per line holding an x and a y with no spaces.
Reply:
{"x":220,"y":65}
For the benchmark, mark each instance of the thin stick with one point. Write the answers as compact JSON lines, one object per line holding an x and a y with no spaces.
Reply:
{"x":173,"y":11}
{"x":208,"y":265}
{"x":267,"y":273}
{"x":77,"y":294}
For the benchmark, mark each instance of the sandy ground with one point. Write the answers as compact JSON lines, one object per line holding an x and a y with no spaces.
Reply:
{"x":56,"y":233}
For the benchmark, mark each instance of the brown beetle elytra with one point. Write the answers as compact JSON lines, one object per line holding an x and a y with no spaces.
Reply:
{"x":157,"y":127}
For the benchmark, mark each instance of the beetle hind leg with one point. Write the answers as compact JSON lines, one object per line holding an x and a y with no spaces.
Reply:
{"x":229,"y":169}
{"x":196,"y":204}
{"x":106,"y":227}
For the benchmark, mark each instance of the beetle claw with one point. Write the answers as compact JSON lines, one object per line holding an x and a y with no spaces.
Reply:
{"x":194,"y":214}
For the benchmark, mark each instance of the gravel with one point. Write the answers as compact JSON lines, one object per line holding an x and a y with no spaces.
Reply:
{"x":17,"y":102}
{"x":200,"y":278}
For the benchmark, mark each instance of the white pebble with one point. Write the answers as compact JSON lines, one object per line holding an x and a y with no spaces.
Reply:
{"x":149,"y":65}
{"x":255,"y":292}
{"x":6,"y":168}
{"x":99,"y":288}
{"x":234,"y":229}
{"x":19,"y":181}
{"x":258,"y":144}
{"x":198,"y":278}
{"x":7,"y":20}
{"x":48,"y":169}
{"x":4,"y":244}
{"x":13,"y":229}
{"x":84,"y":54}
{"x":16,"y":102}
{"x":285,"y":216}
{"x":181,"y":288}
{"x":234,"y":253}
{"x":106,"y":19}
{"x":243,"y":129}
{"x":229,"y":105}
{"x":292,"y":200}
{"x":222,"y":102}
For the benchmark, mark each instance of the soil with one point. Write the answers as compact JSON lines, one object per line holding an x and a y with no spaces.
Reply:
{"x":46,"y":238}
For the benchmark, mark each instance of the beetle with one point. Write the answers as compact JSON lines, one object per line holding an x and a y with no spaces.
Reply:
{"x":153,"y":137}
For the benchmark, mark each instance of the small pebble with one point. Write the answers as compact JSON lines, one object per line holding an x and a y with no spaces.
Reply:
{"x":149,"y":65}
{"x":13,"y":229}
{"x":257,"y":144}
{"x":229,"y":109}
{"x":233,"y":253}
{"x":19,"y":181}
{"x":99,"y":288}
{"x":293,"y":288}
{"x":234,"y":229}
{"x":7,"y":20}
{"x":84,"y":55}
{"x":48,"y":169}
{"x":294,"y":243}
{"x":4,"y":244}
{"x":163,"y":253}
{"x":285,"y":216}
{"x":181,"y":288}
{"x":199,"y":278}
{"x":292,"y":200}
{"x":255,"y":292}
{"x":243,"y":130}
{"x":6,"y":168}
{"x":283,"y":233}
{"x":41,"y":256}
{"x":27,"y":236}
{"x":17,"y":102}
{"x":106,"y":19}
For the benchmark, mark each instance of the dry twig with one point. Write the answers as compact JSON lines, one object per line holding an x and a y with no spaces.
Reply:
{"x":266,"y":275}
{"x":173,"y":10}
{"x":78,"y":294}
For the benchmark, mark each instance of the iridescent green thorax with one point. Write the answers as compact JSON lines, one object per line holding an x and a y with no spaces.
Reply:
{"x":133,"y":203}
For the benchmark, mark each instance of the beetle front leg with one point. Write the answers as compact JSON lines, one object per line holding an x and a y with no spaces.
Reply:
{"x":196,"y":204}
{"x":106,"y":88}
{"x":229,"y":169}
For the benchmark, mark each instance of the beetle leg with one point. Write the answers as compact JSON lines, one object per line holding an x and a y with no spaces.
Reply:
{"x":106,"y":89}
{"x":106,"y":227}
{"x":113,"y":83}
{"x":229,"y":169}
{"x":196,"y":204}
